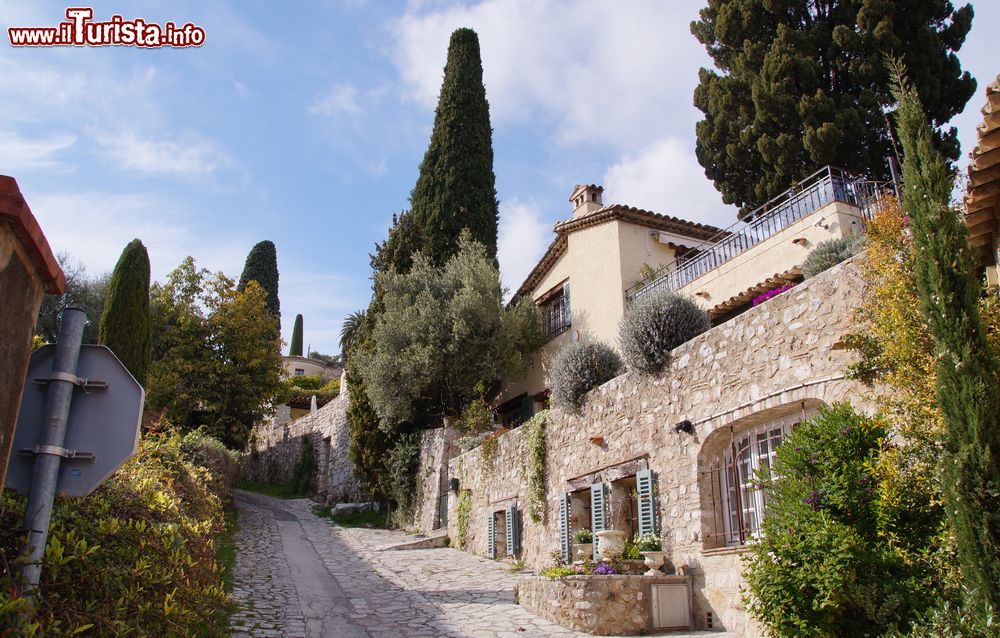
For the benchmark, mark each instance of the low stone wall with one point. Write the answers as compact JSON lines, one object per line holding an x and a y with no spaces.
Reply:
{"x":771,"y":362}
{"x":601,"y":605}
{"x":437,"y":448}
{"x":277,"y":447}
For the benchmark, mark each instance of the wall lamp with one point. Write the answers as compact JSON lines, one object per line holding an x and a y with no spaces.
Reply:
{"x":821,"y":223}
{"x":453,"y":484}
{"x":684,"y":426}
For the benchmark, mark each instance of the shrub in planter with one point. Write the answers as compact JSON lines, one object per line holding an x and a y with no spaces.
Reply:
{"x":656,"y":325}
{"x":831,"y":252}
{"x":583,"y":536}
{"x":580,"y":367}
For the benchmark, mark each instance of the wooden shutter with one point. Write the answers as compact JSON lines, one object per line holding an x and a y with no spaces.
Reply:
{"x":491,"y":538}
{"x":564,"y":537}
{"x":513,"y":532}
{"x":567,"y":313}
{"x":527,"y":408}
{"x":647,"y":509}
{"x":596,"y":512}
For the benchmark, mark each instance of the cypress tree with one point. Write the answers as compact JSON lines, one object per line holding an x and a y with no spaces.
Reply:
{"x":125,"y":322}
{"x":295,"y":349}
{"x":968,"y":374}
{"x":456,"y":188}
{"x":262,"y":266}
{"x":801,"y":84}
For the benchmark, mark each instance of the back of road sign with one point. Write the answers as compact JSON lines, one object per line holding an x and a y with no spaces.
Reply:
{"x":102,"y":421}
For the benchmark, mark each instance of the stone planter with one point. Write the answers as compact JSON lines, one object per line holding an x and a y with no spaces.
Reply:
{"x":610,"y":542}
{"x":583,"y":551}
{"x":653,"y":560}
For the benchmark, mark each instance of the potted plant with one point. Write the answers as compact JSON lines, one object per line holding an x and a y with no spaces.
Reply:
{"x":651,"y":548}
{"x":583,"y":544}
{"x":611,"y":542}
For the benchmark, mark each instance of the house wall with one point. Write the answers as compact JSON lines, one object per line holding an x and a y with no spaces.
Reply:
{"x":774,"y":255}
{"x":309,"y":366}
{"x":777,"y":358}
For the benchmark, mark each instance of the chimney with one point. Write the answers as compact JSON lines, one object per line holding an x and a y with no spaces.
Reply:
{"x":586,"y":199}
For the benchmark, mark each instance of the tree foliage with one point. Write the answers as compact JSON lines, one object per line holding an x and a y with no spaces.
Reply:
{"x":802,"y":84}
{"x":443,"y":336}
{"x":82,"y":291}
{"x":262,"y":266}
{"x":295,"y":349}
{"x":217,"y":361}
{"x":125,"y":322}
{"x":456,"y":188}
{"x":967,"y":369}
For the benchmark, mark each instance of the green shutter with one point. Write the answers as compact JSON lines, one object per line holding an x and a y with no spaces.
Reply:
{"x":567,"y":313}
{"x":527,"y":408}
{"x":564,"y":537}
{"x":513,"y":532}
{"x":647,"y":509}
{"x":596,"y":512}
{"x":491,"y":539}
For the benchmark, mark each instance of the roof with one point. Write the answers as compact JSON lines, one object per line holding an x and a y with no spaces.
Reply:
{"x":740,"y":299}
{"x":14,"y":210}
{"x":982,"y":198}
{"x":614,"y":212}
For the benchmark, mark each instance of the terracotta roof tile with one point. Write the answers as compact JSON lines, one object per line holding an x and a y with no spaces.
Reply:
{"x":14,"y":210}
{"x":982,"y":198}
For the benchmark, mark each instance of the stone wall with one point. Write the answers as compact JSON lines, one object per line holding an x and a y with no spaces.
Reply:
{"x":601,"y":605}
{"x":777,"y":359}
{"x":277,"y":447}
{"x":437,"y":448}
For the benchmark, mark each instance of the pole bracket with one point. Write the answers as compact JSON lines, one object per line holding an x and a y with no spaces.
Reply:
{"x":86,"y":384}
{"x":55,"y":450}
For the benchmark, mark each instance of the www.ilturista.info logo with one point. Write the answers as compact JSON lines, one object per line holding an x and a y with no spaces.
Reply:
{"x":80,"y":30}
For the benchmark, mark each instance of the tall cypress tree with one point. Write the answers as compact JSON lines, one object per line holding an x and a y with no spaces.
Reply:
{"x":295,"y":349}
{"x":968,"y":374}
{"x":456,"y":188}
{"x":801,"y":84}
{"x":262,"y":266}
{"x":125,"y":321}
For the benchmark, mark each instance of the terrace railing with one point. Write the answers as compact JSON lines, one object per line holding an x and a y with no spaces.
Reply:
{"x":816,"y":191}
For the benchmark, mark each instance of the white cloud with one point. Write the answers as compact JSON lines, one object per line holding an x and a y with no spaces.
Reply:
{"x":191,"y":158}
{"x":522,"y":241}
{"x":19,"y":154}
{"x":665,"y":177}
{"x":339,"y":99}
{"x":601,"y":71}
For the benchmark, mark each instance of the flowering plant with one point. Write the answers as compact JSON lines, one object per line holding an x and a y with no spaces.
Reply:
{"x":649,"y":542}
{"x":604,"y":569}
{"x":583,"y":536}
{"x":761,"y":298}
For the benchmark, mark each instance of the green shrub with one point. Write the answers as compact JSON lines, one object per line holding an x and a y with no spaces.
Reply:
{"x":402,"y":465}
{"x":464,"y":509}
{"x":304,"y":472}
{"x":831,"y":252}
{"x":579,"y":368}
{"x":656,"y":325}
{"x":631,"y":551}
{"x":222,"y":463}
{"x":834,"y":560}
{"x":135,"y":558}
{"x":536,"y":465}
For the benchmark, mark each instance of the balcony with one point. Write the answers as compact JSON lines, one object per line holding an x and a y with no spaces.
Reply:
{"x":823,"y":187}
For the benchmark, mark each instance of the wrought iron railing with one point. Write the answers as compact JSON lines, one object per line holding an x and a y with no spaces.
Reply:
{"x":816,"y":191}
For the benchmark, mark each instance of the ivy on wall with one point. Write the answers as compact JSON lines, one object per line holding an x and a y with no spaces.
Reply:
{"x":464,"y":509}
{"x":536,"y":456}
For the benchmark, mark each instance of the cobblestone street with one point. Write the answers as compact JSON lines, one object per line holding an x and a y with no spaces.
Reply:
{"x":299,"y":576}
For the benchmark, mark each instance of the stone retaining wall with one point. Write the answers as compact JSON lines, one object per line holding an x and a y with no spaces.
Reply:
{"x":772,"y":361}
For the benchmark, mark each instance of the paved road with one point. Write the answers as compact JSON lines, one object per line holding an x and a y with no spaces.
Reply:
{"x":299,"y":577}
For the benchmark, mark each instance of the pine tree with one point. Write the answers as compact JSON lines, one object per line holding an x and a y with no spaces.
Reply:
{"x":262,"y":266}
{"x":295,"y":349}
{"x":968,"y":374}
{"x":801,"y":85}
{"x":125,"y":322}
{"x":456,"y":188}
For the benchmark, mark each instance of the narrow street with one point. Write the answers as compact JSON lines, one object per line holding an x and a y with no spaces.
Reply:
{"x":299,"y":576}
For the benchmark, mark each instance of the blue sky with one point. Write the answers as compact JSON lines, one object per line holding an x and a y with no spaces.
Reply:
{"x":305,"y":123}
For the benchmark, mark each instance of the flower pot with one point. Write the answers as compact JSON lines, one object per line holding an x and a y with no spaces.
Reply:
{"x":583,"y":551}
{"x":610,"y":542}
{"x":653,"y":560}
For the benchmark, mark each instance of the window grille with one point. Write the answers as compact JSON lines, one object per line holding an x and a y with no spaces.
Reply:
{"x":556,"y":313}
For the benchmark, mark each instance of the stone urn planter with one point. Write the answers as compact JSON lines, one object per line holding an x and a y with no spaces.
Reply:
{"x":610,"y":542}
{"x":583,"y":551}
{"x":653,"y":560}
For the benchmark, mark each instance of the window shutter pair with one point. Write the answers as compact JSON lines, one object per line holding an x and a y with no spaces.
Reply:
{"x":647,"y":508}
{"x":564,"y":536}
{"x":513,"y":533}
{"x":597,"y":518}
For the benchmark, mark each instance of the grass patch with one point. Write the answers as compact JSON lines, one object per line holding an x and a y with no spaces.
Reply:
{"x":283,"y":490}
{"x":366,"y":518}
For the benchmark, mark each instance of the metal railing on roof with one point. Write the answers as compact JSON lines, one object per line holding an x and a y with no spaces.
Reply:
{"x":816,"y":191}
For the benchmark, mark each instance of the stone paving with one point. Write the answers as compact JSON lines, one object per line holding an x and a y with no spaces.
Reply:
{"x":298,"y":576}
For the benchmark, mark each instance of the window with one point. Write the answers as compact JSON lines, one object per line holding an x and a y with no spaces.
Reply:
{"x":555,"y":311}
{"x":736,"y":502}
{"x":299,"y":372}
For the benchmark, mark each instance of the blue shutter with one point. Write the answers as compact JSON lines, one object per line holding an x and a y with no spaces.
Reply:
{"x":596,"y":512}
{"x":513,"y":537}
{"x":491,"y":538}
{"x":647,"y":509}
{"x":564,"y":537}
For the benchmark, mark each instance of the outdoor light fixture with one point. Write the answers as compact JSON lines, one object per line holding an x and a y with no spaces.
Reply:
{"x":702,"y":293}
{"x":684,"y":426}
{"x":821,"y":223}
{"x":453,"y":484}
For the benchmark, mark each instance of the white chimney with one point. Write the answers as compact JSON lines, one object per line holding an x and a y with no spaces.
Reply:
{"x":586,"y":199}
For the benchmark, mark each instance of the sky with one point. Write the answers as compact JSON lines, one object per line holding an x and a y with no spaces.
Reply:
{"x":305,"y":123}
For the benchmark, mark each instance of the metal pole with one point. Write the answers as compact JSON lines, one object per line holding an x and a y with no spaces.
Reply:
{"x":59,"y":394}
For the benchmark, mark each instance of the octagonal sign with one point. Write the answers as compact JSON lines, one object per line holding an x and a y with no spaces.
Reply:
{"x":103,"y":421}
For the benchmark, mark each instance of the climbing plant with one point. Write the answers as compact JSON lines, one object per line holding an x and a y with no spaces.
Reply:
{"x":535,"y":439}
{"x":464,"y":509}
